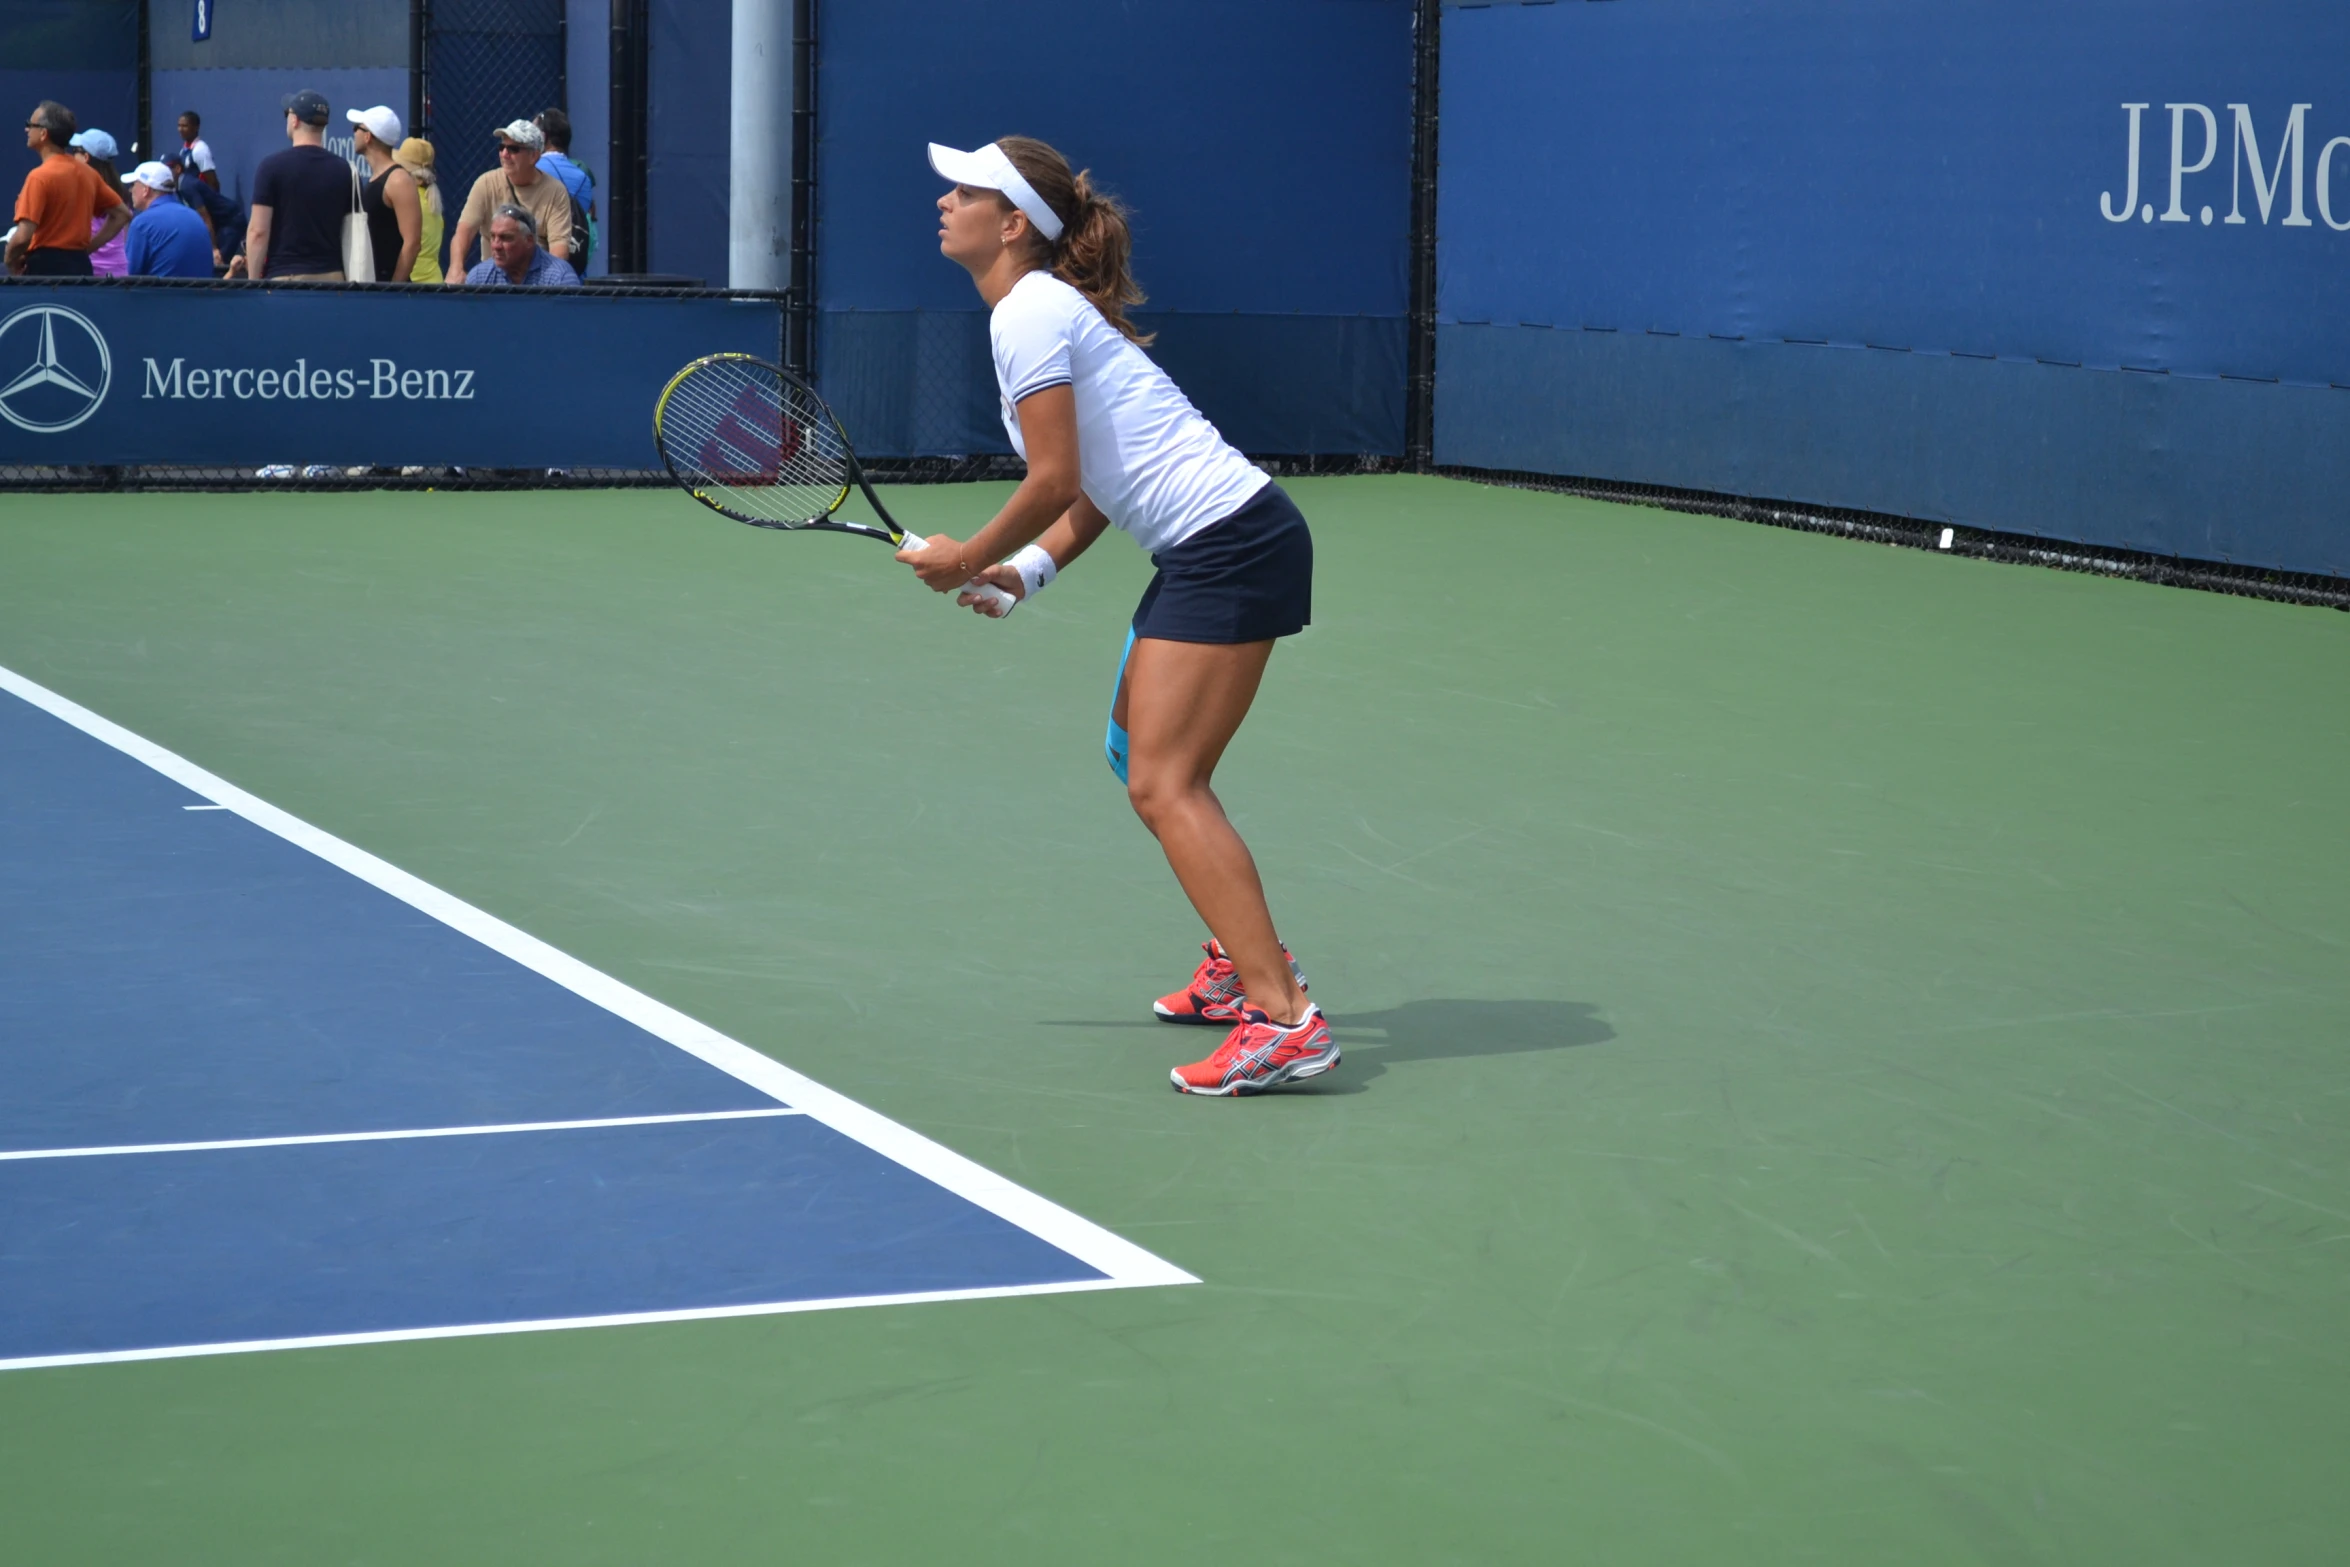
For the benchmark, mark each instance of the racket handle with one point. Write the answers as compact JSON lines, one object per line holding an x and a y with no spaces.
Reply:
{"x":986,"y":592}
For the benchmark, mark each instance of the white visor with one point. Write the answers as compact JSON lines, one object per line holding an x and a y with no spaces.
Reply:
{"x":990,"y":169}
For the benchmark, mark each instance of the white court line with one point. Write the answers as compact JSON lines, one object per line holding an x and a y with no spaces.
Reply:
{"x":203,"y":807}
{"x":1120,"y":1260}
{"x":555,"y":1324}
{"x":390,"y":1137}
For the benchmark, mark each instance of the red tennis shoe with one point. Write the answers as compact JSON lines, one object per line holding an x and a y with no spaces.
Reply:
{"x":1261,"y":1054}
{"x":1213,"y":996}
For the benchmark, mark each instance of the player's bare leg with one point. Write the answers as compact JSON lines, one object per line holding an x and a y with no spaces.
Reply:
{"x":1180,"y":706}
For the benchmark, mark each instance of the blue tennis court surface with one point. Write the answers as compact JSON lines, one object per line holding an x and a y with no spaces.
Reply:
{"x":260,"y":1089}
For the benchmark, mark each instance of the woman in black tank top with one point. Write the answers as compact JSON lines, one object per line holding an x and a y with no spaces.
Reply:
{"x":383,"y":228}
{"x":395,"y":219}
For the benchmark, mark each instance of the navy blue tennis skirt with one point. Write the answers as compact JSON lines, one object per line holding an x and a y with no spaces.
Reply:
{"x":1248,"y":578}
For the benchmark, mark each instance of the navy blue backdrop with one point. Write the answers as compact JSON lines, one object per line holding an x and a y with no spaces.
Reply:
{"x":81,"y":53}
{"x":1889,"y":257}
{"x":355,"y":52}
{"x":689,"y":122}
{"x":205,"y":376}
{"x":1264,"y":146}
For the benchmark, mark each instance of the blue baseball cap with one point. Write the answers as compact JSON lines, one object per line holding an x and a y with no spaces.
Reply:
{"x":96,"y":143}
{"x":307,"y":106}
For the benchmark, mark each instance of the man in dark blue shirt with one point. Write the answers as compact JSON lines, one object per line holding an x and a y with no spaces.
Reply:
{"x":165,"y":239}
{"x":300,"y":197}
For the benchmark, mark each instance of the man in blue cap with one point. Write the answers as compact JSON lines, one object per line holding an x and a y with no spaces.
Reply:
{"x":166,"y":239}
{"x":300,"y":197}
{"x":224,"y":217}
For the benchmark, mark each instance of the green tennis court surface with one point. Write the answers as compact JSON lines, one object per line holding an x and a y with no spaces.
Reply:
{"x":1844,"y":1047}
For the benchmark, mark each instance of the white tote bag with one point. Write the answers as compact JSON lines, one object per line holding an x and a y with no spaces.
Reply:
{"x":358,"y":244}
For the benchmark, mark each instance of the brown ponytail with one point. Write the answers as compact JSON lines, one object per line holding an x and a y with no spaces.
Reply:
{"x":1094,"y":251}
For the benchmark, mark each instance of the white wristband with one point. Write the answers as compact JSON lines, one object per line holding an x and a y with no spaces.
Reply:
{"x":1036,"y":568}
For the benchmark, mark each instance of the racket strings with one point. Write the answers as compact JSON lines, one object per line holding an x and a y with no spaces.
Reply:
{"x":762,"y":447}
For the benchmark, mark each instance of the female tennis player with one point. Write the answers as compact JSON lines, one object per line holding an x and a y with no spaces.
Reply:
{"x":1111,"y":442}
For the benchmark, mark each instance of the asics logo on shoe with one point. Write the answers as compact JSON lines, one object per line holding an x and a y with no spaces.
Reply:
{"x":1214,"y":994}
{"x":1261,"y":1054}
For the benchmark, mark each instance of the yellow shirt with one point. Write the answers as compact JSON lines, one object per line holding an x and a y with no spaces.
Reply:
{"x":428,"y":249}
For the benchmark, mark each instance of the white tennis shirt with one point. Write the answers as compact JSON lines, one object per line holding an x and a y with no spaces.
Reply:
{"x":1145,"y":456}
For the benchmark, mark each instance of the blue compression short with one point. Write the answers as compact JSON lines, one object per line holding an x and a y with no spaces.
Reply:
{"x":1114,"y":743}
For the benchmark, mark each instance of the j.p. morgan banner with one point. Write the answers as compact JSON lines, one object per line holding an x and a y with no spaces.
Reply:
{"x":2150,"y":185}
{"x":127,"y":373}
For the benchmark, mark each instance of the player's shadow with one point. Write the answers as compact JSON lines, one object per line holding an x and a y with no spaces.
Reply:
{"x":1447,"y":1030}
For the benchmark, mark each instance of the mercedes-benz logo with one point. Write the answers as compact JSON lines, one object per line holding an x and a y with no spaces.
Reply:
{"x":56,"y":368}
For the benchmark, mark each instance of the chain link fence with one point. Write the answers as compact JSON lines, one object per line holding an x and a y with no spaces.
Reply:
{"x":487,"y":63}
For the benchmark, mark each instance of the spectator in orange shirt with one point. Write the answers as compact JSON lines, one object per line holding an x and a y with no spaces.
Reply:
{"x":52,"y":236}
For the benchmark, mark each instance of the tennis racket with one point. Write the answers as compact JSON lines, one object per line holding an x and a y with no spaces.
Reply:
{"x":754,"y":442}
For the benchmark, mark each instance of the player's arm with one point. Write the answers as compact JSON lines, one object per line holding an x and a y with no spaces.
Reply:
{"x":1069,"y":537}
{"x":1074,"y":534}
{"x":1048,"y":428}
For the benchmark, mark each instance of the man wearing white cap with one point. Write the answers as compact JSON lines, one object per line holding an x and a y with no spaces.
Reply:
{"x":516,"y":181}
{"x":395,"y":213}
{"x":166,"y":239}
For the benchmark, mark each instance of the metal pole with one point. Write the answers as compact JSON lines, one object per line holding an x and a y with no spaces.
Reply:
{"x":1420,"y":391}
{"x":799,"y":351}
{"x":630,"y":46}
{"x":143,"y":132}
{"x":419,"y":67}
{"x":758,"y":178}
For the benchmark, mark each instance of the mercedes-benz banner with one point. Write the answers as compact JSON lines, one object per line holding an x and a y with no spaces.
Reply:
{"x":130,"y":373}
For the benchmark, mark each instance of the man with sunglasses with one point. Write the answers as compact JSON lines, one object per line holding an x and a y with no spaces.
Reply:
{"x":516,"y":181}
{"x":51,"y":236}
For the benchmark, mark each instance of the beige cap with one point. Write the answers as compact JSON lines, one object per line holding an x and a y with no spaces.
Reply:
{"x":414,"y":153}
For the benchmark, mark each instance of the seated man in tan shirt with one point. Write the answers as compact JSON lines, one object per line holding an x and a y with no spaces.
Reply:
{"x":515,"y":180}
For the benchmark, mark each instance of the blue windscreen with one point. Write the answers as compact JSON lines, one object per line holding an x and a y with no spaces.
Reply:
{"x":1264,"y":149}
{"x":688,"y":127}
{"x":355,"y":53}
{"x":1927,"y":260}
{"x":107,"y":98}
{"x":81,"y":53}
{"x":245,"y":119}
